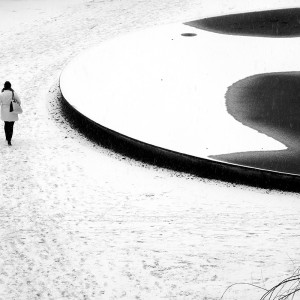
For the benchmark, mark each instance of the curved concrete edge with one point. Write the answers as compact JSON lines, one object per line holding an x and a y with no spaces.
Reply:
{"x":176,"y":161}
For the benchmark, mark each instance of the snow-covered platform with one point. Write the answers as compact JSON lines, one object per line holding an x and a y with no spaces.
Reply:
{"x":218,"y":97}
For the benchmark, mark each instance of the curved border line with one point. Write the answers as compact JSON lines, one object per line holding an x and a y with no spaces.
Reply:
{"x":161,"y":157}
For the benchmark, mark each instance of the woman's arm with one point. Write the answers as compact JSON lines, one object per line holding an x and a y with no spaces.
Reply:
{"x":17,"y":98}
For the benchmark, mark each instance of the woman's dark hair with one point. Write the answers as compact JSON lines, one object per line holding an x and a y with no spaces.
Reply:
{"x":7,"y":86}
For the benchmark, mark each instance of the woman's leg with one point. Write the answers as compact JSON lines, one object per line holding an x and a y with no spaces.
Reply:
{"x":10,"y":130}
{"x":6,"y":130}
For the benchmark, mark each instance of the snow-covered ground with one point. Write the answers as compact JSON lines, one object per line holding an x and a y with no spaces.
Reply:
{"x":80,"y":222}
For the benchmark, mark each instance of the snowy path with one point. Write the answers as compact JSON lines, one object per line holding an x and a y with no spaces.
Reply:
{"x":79,"y":222}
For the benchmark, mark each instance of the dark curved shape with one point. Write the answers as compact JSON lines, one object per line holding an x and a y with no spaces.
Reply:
{"x":176,"y":161}
{"x":189,"y":34}
{"x":270,"y":104}
{"x":271,"y":23}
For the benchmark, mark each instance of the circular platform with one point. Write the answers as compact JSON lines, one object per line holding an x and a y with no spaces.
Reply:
{"x":214,"y":89}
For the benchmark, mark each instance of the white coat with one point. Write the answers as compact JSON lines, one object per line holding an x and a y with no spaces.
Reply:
{"x":5,"y":99}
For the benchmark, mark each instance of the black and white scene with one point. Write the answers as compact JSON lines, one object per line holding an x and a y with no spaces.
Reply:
{"x":149,"y":149}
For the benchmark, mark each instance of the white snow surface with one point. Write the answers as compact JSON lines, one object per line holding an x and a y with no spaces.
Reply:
{"x":80,"y":222}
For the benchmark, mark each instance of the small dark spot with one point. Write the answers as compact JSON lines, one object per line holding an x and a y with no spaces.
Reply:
{"x":188,"y":34}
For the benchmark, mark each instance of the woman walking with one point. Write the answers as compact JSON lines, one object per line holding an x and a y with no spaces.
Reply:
{"x":9,"y":118}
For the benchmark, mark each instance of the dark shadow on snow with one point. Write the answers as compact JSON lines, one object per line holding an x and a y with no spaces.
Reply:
{"x":270,"y":104}
{"x":271,"y":23}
